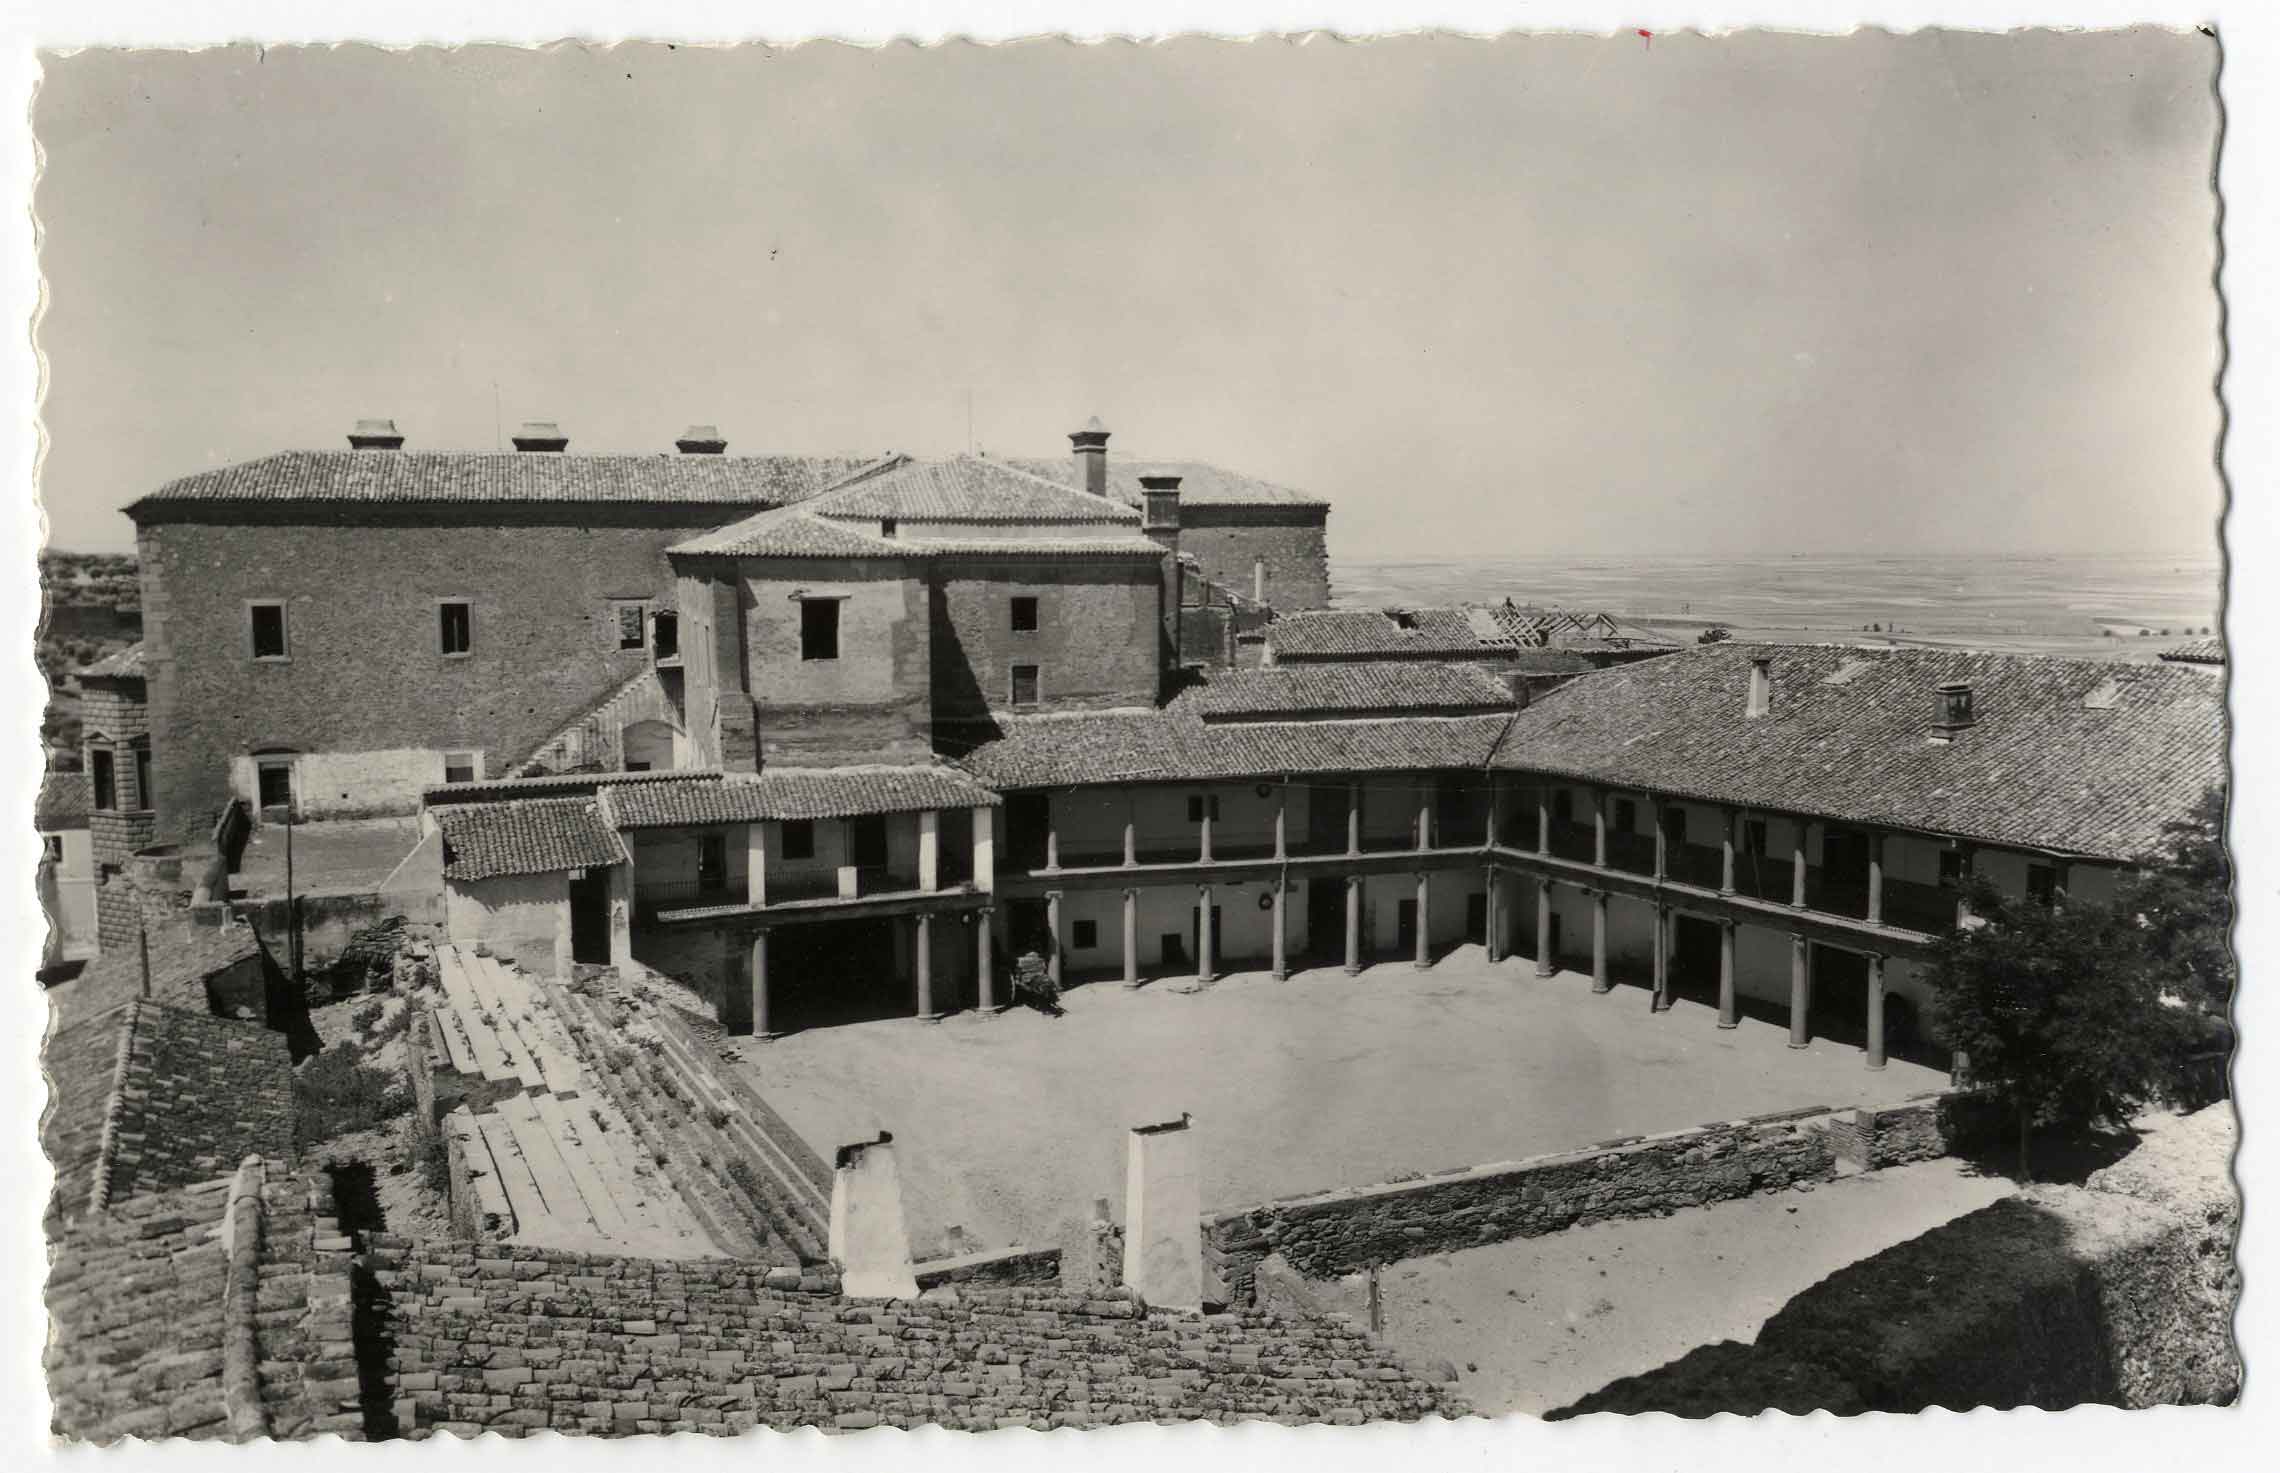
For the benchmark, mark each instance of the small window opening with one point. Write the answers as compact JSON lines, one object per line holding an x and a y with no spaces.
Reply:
{"x":630,"y":618}
{"x":1024,"y":685}
{"x":106,"y":781}
{"x":819,"y":629}
{"x":268,"y":630}
{"x":1025,"y":616}
{"x":799,"y":838}
{"x":456,"y":626}
{"x":459,"y":767}
{"x":665,"y":634}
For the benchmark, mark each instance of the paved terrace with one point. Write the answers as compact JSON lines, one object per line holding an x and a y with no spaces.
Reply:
{"x":340,"y":857}
{"x":1009,"y":1124}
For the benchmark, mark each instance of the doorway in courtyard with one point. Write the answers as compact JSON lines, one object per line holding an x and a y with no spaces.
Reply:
{"x":1325,"y":922}
{"x":826,"y":973}
{"x":590,"y":917}
{"x":1694,"y":959}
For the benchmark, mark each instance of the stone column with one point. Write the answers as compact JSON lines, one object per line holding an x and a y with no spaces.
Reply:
{"x":929,"y":849}
{"x":1545,"y":965}
{"x":1726,"y":854}
{"x":1800,"y":991}
{"x":1495,"y":830}
{"x":1132,"y":938}
{"x":1964,"y":919}
{"x":1600,"y":982}
{"x":1662,"y":838}
{"x":1353,"y":925}
{"x":1052,"y":836}
{"x":868,"y":1238}
{"x":1204,"y":940}
{"x":1203,"y":833}
{"x":984,"y":964}
{"x":1281,"y":967}
{"x":1875,"y":878}
{"x":1354,"y":818}
{"x":1875,"y":1010}
{"x":1543,"y":820}
{"x":985,"y":848}
{"x":1599,"y":827}
{"x":1797,"y":866}
{"x":1662,"y":958}
{"x":1493,"y":942}
{"x":1424,"y":922}
{"x":756,"y":865}
{"x":1053,"y":924}
{"x":621,"y":914}
{"x":1282,"y":838}
{"x":1163,"y":1217}
{"x":923,"y":968}
{"x":1131,"y":833}
{"x":1729,"y":1015}
{"x":1425,"y":816}
{"x":760,"y":1028}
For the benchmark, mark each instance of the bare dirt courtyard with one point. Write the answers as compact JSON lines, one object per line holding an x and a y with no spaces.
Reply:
{"x":1009,"y":1126}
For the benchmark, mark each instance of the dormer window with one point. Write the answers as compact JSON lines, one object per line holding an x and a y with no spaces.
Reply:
{"x":1954,"y":705}
{"x":886,"y":526}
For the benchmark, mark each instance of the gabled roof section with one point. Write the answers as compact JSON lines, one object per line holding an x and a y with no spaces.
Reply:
{"x":524,"y":836}
{"x":792,"y":531}
{"x":966,"y":489}
{"x":66,"y":798}
{"x":1418,"y":634}
{"x":126,"y":664}
{"x":184,"y":956}
{"x":2044,"y":766}
{"x":793,"y":793}
{"x":1175,"y":745}
{"x":1387,"y":688}
{"x":1201,"y":483}
{"x":2199,"y":652}
{"x":488,"y":477}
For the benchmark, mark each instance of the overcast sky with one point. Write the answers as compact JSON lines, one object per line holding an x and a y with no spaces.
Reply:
{"x":1759,"y":294}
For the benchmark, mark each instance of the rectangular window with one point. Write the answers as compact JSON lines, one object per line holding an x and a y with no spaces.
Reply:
{"x":2042,"y":883}
{"x":665,"y":632}
{"x":886,"y":526}
{"x":1024,"y":686}
{"x":632,"y":618}
{"x":274,"y":784}
{"x":867,"y":837}
{"x":1626,"y":816}
{"x":1951,"y":869}
{"x":266,"y":630}
{"x":106,"y":781}
{"x":799,"y":838}
{"x":142,"y":778}
{"x":819,"y":629}
{"x":1084,"y":935}
{"x":459,"y":767}
{"x":1025,"y":616}
{"x":52,"y":846}
{"x":455,"y":626}
{"x":712,"y":861}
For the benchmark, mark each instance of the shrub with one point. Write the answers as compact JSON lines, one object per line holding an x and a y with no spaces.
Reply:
{"x":717,"y":1118}
{"x":433,"y":1155}
{"x":366,"y":1018}
{"x":337,"y":1092}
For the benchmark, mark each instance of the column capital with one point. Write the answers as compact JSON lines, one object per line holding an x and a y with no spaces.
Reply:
{"x":1054,"y":894}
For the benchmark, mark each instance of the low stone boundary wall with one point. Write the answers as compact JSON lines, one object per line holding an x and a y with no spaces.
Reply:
{"x":1041,"y":1266}
{"x":1335,"y":1233}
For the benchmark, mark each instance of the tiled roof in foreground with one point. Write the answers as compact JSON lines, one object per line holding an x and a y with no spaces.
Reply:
{"x":2200,"y":652}
{"x":793,"y":793}
{"x":126,"y":664}
{"x":184,"y":956}
{"x":1426,"y":634}
{"x":484,"y":477}
{"x":524,"y":836}
{"x":2075,"y":756}
{"x":1175,"y":745}
{"x":1330,"y":690}
{"x":66,"y":798}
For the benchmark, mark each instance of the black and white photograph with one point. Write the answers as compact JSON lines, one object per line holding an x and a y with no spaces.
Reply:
{"x":1309,"y":730}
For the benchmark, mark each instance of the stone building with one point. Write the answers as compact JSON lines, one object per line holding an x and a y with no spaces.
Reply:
{"x":67,"y":867}
{"x":116,"y":751}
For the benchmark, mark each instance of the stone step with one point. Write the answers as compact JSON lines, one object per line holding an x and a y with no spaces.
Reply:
{"x":483,"y":1172}
{"x":526,"y":1204}
{"x":443,"y":1026}
{"x":589,"y":1170}
{"x":488,"y":979}
{"x":490,"y":1056}
{"x":544,"y":1158}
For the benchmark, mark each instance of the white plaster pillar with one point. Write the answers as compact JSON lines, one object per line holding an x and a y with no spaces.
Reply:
{"x":930,"y":849}
{"x":621,"y":914}
{"x":1424,"y":958}
{"x":1353,"y":925}
{"x":985,"y":965}
{"x":1662,"y":958}
{"x":1600,"y":981}
{"x":1132,"y":938}
{"x":1875,"y":1010}
{"x":756,"y":865}
{"x":1800,"y":992}
{"x":1797,"y":866}
{"x":760,"y":1028}
{"x":1729,"y":1015}
{"x":1492,"y":939}
{"x":1726,"y":852}
{"x":1053,"y":924}
{"x":1545,"y":965}
{"x":869,"y":1240}
{"x":923,"y":967}
{"x":1280,"y":969}
{"x":1204,"y":940}
{"x":1163,"y":1217}
{"x":1354,"y":818}
{"x":985,"y":848}
{"x":1875,"y":878}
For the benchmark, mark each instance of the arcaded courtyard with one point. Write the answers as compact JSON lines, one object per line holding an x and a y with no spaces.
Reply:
{"x":1009,"y":1125}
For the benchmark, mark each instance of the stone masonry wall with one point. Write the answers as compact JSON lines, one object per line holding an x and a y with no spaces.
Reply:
{"x":1225,"y":540}
{"x":366,"y":673}
{"x":1341,"y":1232}
{"x":1094,"y":645}
{"x":489,"y":1338}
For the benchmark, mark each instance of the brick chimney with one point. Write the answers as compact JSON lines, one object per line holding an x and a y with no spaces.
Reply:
{"x":375,"y":434}
{"x":1951,"y":710}
{"x":1091,"y":444}
{"x":701,"y":440}
{"x":1160,"y":524}
{"x":542,"y":435}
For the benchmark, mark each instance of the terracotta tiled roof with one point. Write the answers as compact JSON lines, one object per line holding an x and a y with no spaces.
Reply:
{"x":480,"y":477}
{"x":183,"y":956}
{"x":1175,"y":745}
{"x":66,"y":798}
{"x":176,"y":1095}
{"x":1201,"y":484}
{"x":966,"y":489}
{"x":2199,"y":652}
{"x":127,"y":664}
{"x":551,"y":785}
{"x":1428,"y":634}
{"x":803,"y":532}
{"x":1331,"y":690}
{"x":2074,"y":756}
{"x":793,"y":793}
{"x":524,"y":836}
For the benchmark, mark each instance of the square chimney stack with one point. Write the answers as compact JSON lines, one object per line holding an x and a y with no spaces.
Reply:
{"x":1761,"y":687}
{"x":541,"y":435}
{"x":1091,"y":445}
{"x":701,"y":440}
{"x":375,"y":434}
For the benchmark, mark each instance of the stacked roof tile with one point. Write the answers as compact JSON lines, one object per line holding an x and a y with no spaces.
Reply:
{"x":2072,"y":756}
{"x":1347,"y":690}
{"x":185,"y":957}
{"x":127,"y":664}
{"x":793,"y":793}
{"x":476,"y":478}
{"x":526,"y":836}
